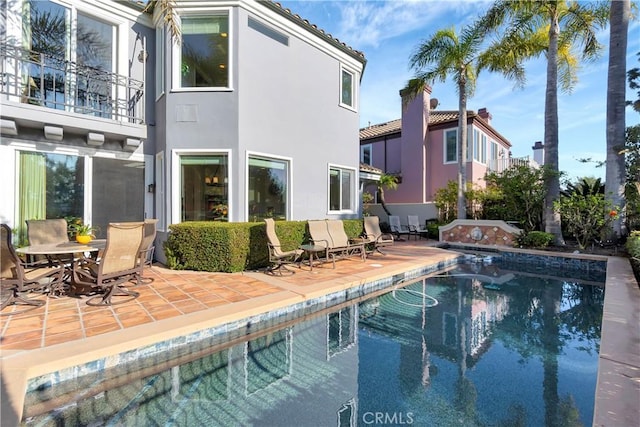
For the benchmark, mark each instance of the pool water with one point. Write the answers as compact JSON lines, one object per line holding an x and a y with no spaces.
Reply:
{"x":479,"y":345}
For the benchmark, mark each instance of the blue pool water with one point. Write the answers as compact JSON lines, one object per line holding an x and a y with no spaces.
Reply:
{"x":480,"y":345}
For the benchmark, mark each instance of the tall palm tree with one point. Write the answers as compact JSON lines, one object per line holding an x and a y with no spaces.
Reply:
{"x":462,"y":57}
{"x":555,"y":28}
{"x":615,"y":165}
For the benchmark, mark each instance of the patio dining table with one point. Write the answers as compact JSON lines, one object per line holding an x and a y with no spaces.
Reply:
{"x":62,"y":248}
{"x":59,"y":250}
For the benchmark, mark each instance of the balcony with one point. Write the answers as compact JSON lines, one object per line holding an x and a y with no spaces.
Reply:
{"x":500,"y":165}
{"x":38,"y":89}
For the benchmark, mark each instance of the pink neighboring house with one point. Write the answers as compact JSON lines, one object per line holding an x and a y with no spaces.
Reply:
{"x":421,"y":149}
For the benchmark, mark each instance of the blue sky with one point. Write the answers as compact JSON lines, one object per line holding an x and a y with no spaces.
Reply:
{"x":388,"y":32}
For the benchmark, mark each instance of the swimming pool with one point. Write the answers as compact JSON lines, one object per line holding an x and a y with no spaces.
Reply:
{"x":481,"y":345}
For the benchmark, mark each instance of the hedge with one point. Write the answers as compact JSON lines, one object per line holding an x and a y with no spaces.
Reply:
{"x":234,"y":246}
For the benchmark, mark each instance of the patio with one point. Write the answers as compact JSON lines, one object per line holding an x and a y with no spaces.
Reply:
{"x":67,"y":332}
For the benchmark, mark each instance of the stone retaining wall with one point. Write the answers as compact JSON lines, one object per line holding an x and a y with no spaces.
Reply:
{"x":483,"y":232}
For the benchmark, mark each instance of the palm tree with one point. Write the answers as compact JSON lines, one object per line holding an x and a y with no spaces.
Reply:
{"x":166,"y":8}
{"x":447,"y":54}
{"x":554,"y":28}
{"x":386,"y":181}
{"x":615,"y":164}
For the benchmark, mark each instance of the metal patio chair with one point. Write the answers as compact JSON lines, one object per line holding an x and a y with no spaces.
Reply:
{"x":18,"y":277}
{"x":374,"y":236}
{"x":278,"y":258}
{"x":118,"y":265}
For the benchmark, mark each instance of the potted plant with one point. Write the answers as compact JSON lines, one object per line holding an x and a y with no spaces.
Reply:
{"x":83,"y":233}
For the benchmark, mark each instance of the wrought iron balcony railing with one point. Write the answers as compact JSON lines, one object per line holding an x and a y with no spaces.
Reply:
{"x":48,"y":81}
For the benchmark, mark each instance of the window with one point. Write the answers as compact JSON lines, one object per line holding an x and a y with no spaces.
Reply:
{"x":483,"y":148}
{"x":204,"y":51}
{"x":55,"y":185}
{"x":268,"y":188}
{"x":347,"y":89}
{"x":204,"y":187}
{"x":50,"y":31}
{"x":365,"y":154}
{"x":50,"y":186}
{"x":341,"y":189}
{"x":451,"y":146}
{"x":160,"y":65}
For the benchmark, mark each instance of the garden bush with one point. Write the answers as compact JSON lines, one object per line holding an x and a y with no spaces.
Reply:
{"x":233,"y":246}
{"x":633,"y":249}
{"x":534,"y":239}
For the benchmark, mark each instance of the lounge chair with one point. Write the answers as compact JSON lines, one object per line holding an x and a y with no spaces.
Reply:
{"x":119,"y":264}
{"x":330,"y":234}
{"x":374,"y":235}
{"x":396,"y":228}
{"x":278,"y":258}
{"x":18,"y":277}
{"x":415,"y":229}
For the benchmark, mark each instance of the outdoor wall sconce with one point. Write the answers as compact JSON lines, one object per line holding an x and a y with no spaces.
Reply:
{"x":151,"y":188}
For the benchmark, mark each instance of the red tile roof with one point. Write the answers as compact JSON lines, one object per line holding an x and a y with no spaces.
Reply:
{"x":435,"y":117}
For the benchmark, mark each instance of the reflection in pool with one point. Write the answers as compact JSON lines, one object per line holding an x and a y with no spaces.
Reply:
{"x":474,"y":346}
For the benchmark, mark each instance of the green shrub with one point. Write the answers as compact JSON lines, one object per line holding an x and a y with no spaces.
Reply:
{"x":433,"y":231}
{"x":534,"y":239}
{"x":633,"y":244}
{"x":233,"y":246}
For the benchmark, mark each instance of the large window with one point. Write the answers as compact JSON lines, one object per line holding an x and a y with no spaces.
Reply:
{"x":50,"y":31}
{"x":205,"y":187}
{"x":451,"y":146}
{"x":341,"y":189}
{"x":268,"y":188}
{"x":204,"y":59}
{"x":347,"y":88}
{"x":55,"y":186}
{"x":50,"y":186}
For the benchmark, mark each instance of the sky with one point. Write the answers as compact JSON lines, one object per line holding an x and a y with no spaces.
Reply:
{"x":388,"y":32}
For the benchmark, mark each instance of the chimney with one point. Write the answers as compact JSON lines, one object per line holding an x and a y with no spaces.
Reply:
{"x":485,"y":115}
{"x":538,"y":152}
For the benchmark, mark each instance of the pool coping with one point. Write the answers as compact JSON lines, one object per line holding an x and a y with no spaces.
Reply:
{"x":618,"y":384}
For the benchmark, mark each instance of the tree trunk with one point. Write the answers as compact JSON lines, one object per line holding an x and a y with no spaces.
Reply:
{"x":462,"y":149}
{"x":615,"y":165}
{"x":551,"y":216}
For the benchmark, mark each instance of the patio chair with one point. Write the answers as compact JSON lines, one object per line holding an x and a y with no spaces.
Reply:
{"x":278,"y":258}
{"x":374,"y":236}
{"x":147,"y":248}
{"x":415,"y":229}
{"x":47,"y":231}
{"x":119,"y":264}
{"x":396,"y":228}
{"x":18,"y":277}
{"x":331,"y":235}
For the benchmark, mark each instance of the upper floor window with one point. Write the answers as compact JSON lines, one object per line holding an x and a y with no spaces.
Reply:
{"x":56,"y":36}
{"x":160,"y":64}
{"x":347,"y":88}
{"x":451,"y":146}
{"x":365,"y":154}
{"x":204,"y":51}
{"x":341,"y":189}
